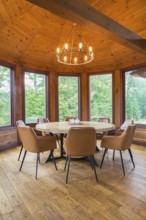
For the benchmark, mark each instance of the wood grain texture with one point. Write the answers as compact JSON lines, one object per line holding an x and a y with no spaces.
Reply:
{"x":114,"y":197}
{"x":30,"y":35}
{"x":79,"y":8}
{"x":8,"y":138}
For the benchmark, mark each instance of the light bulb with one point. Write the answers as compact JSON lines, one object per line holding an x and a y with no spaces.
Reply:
{"x":65,"y":58}
{"x":66,"y":46}
{"x":80,"y":46}
{"x":90,"y":49}
{"x":58,"y":50}
{"x":86,"y":58}
{"x":75,"y":59}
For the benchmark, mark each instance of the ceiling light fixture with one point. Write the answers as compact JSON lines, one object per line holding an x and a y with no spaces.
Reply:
{"x":73,"y":52}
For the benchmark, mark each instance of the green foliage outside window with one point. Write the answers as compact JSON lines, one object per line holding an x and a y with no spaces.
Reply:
{"x":5,"y":96}
{"x":68,"y":96}
{"x":101,"y":96}
{"x":135,"y":98}
{"x":35,"y":97}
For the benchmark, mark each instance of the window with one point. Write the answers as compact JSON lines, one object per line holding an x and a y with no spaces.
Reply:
{"x":100,"y":96}
{"x":135,"y":97}
{"x":68,"y":95}
{"x":5,"y":96}
{"x":35,"y":96}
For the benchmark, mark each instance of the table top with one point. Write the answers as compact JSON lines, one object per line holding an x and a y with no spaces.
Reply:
{"x":63,"y":127}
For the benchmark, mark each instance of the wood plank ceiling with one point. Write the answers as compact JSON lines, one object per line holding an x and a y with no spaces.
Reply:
{"x":29,"y":34}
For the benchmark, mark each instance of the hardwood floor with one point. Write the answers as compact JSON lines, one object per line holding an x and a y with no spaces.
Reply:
{"x":48,"y":197}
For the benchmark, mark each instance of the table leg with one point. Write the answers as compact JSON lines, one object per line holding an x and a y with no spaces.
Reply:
{"x":61,"y":151}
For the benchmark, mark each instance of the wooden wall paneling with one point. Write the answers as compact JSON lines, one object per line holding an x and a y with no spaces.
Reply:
{"x":52,"y":95}
{"x":19,"y":92}
{"x":117,"y":96}
{"x":8,"y":138}
{"x":84,"y":97}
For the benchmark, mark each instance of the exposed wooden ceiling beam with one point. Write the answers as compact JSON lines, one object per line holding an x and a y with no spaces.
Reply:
{"x":80,"y":12}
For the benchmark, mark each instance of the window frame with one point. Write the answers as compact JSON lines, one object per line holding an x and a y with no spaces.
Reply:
{"x":124,"y":93}
{"x":113,"y":96}
{"x":79,"y":92}
{"x":12,"y":95}
{"x":40,"y":72}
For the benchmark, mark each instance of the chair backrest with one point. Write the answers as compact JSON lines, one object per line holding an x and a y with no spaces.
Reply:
{"x":127,"y":137}
{"x":20,"y":123}
{"x":105,"y":120}
{"x":42,"y":120}
{"x":69,"y":117}
{"x":28,"y":138}
{"x":80,"y":141}
{"x":126,"y":124}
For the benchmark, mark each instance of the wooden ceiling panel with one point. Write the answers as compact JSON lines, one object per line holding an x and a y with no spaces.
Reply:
{"x":129,"y":13}
{"x":11,"y":9}
{"x":30,"y":35}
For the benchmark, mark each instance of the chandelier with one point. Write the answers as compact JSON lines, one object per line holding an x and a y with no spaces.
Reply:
{"x":74,"y":52}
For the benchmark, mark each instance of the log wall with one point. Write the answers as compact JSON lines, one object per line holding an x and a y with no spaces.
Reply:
{"x":8,"y":138}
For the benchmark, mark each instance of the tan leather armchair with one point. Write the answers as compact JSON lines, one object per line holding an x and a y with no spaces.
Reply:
{"x":123,"y":127}
{"x":119,"y":131}
{"x":80,"y":142}
{"x":36,"y":144}
{"x":120,"y":143}
{"x":42,"y":120}
{"x":69,"y":117}
{"x":19,"y":123}
{"x":99,"y":135}
{"x":46,"y":120}
{"x":105,"y":120}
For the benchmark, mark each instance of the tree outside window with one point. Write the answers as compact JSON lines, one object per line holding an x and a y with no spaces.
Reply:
{"x":5,"y":96}
{"x":135,"y":96}
{"x":35,"y":96}
{"x":100,"y":96}
{"x":68,"y":96}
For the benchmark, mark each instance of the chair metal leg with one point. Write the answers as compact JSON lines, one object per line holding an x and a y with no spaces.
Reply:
{"x":103,"y":157}
{"x":68,"y":166}
{"x":20,"y":152}
{"x":22,"y":160}
{"x":65,"y":163}
{"x":54,"y":161}
{"x":113,"y":155}
{"x":130,"y":153}
{"x":122,"y":163}
{"x":93,"y":167}
{"x":89,"y":158}
{"x":39,"y":158}
{"x":97,"y":149}
{"x":37,"y":161}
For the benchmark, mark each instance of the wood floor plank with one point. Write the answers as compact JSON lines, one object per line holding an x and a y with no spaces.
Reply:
{"x":114,"y":197}
{"x":10,"y":216}
{"x":5,"y":206}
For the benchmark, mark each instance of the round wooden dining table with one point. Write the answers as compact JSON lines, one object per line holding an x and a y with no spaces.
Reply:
{"x":63,"y":127}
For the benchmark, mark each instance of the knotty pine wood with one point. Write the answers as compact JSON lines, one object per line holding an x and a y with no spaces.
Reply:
{"x":84,"y":14}
{"x":30,"y":35}
{"x":19,"y":92}
{"x":117,"y":97}
{"x":114,"y":198}
{"x":84,"y":97}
